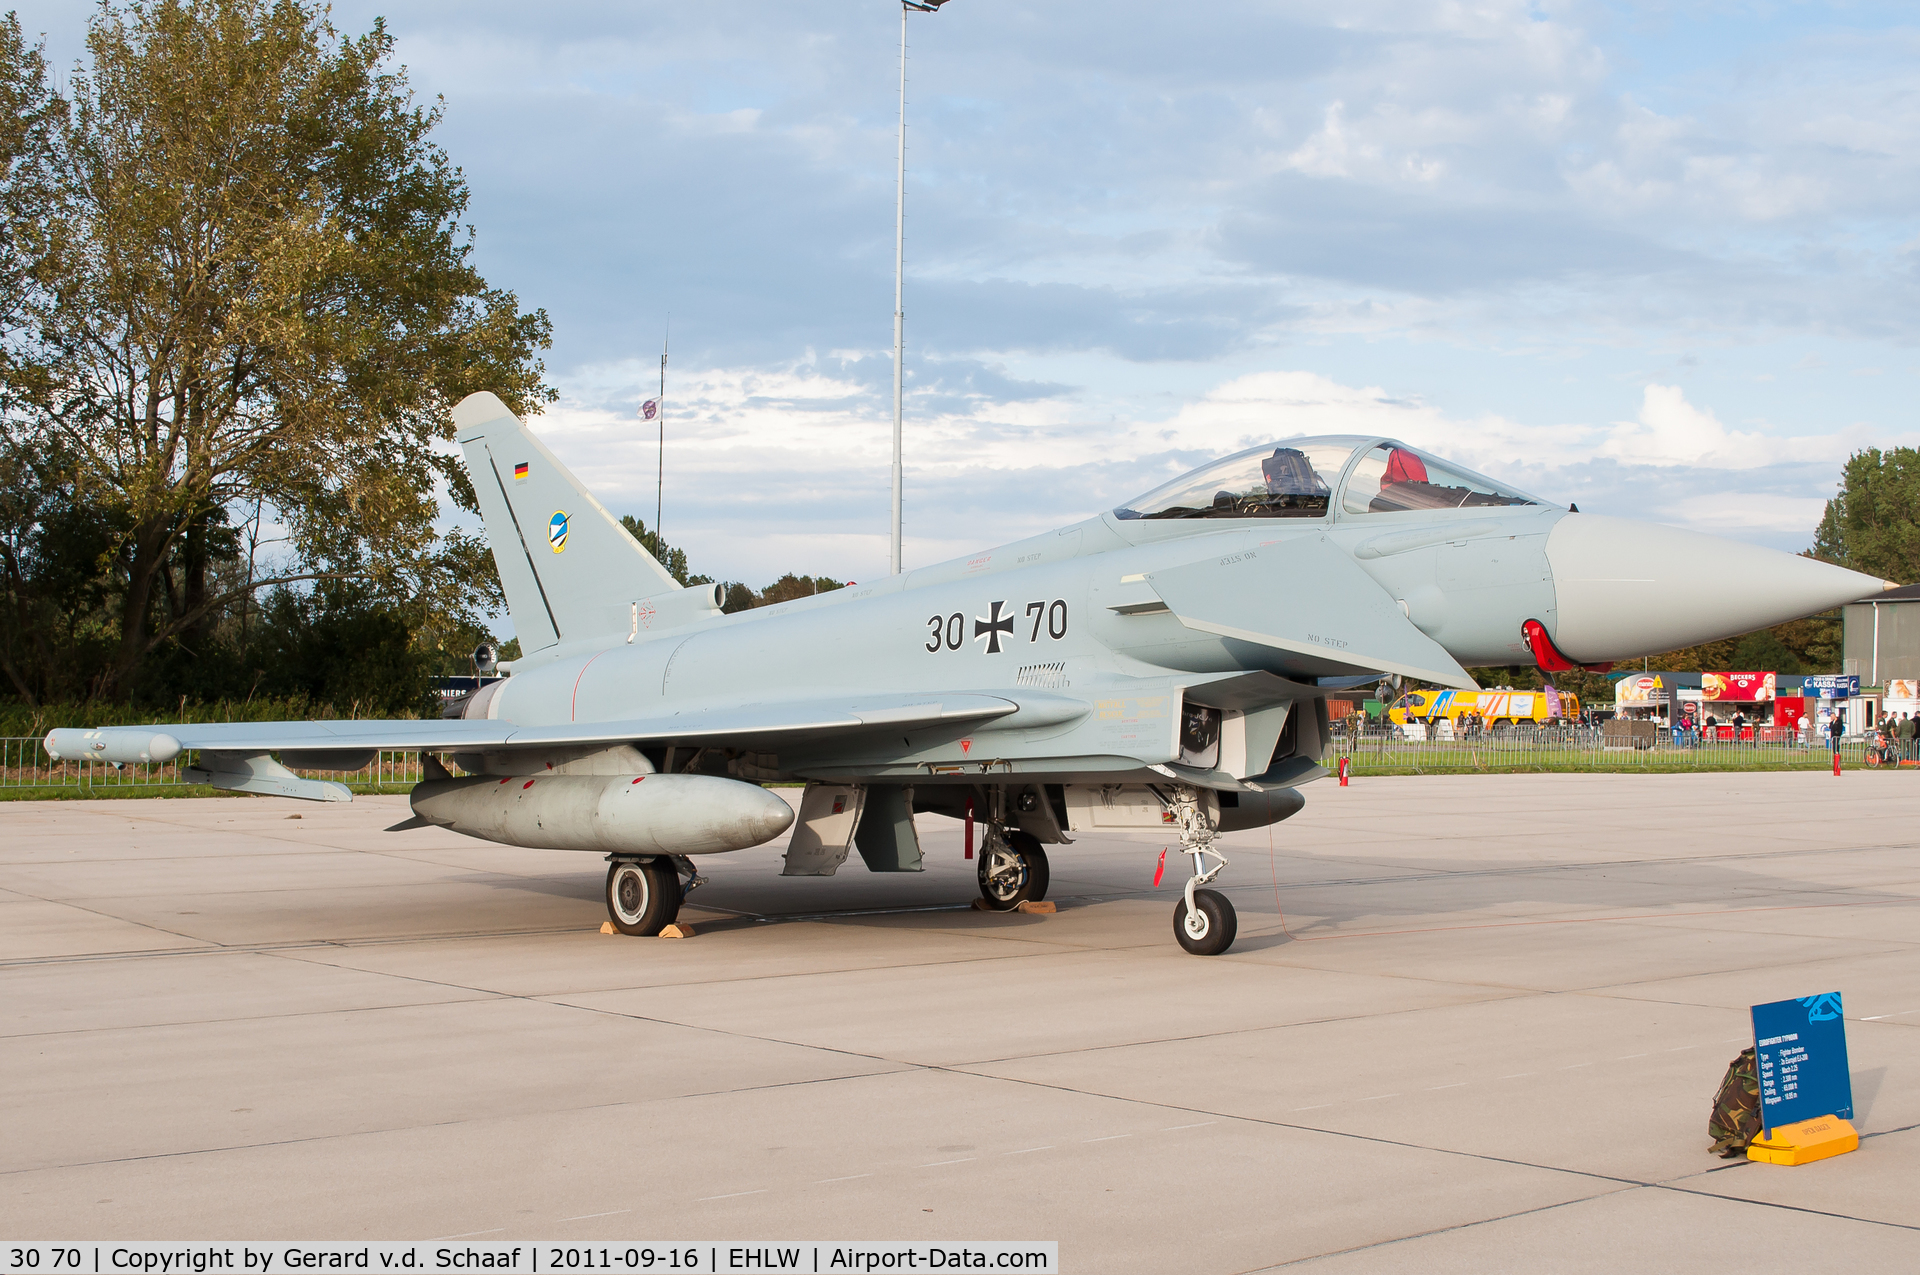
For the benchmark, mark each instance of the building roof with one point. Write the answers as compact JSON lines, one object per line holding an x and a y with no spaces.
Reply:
{"x":1905,"y":593}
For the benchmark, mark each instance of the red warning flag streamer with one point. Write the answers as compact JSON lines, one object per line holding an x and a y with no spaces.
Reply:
{"x":969,"y":828}
{"x":1159,"y":867}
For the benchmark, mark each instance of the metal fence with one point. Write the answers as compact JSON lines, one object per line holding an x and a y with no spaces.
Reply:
{"x":24,"y":764}
{"x":1381,"y":750}
{"x":1372,"y":750}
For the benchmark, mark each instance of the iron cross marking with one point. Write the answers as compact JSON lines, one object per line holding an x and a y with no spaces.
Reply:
{"x":992,"y":627}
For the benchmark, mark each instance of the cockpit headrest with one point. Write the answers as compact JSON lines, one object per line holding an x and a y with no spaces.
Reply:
{"x":1289,"y":473}
{"x":1403,"y":467}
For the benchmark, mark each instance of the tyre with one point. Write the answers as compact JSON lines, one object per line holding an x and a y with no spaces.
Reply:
{"x":1014,"y":875}
{"x":1212,"y":927}
{"x":643,"y":896}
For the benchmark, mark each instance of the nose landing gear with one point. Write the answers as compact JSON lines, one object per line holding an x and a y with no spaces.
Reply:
{"x":1204,"y":922}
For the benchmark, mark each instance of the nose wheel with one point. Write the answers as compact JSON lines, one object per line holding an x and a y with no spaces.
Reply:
{"x":1209,"y":926}
{"x":1204,"y":922}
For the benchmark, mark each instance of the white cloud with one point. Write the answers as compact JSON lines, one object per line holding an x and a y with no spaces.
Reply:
{"x":1672,"y":431}
{"x":786,"y":469}
{"x":1482,"y":227}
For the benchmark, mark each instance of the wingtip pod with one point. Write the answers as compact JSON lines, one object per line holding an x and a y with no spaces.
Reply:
{"x":1624,"y":588}
{"x":121,"y":746}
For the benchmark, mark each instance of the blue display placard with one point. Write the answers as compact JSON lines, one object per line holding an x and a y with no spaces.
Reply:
{"x":1832,"y":685}
{"x":1800,"y":1055}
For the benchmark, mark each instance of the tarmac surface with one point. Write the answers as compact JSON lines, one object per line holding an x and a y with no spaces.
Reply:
{"x":1488,"y":1037}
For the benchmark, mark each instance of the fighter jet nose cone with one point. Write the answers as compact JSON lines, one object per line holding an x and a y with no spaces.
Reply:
{"x":1625,"y":588}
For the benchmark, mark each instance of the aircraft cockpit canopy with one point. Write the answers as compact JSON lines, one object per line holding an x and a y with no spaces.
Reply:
{"x":1393,"y":477}
{"x":1297,"y":478}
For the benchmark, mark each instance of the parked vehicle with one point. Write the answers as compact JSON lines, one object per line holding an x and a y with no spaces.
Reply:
{"x":1504,"y":707}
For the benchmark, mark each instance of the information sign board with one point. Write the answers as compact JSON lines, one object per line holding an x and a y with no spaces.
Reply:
{"x":1832,"y":685}
{"x":1800,"y":1055}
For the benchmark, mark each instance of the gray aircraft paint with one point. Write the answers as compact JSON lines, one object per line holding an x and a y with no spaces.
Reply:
{"x":1063,"y":658}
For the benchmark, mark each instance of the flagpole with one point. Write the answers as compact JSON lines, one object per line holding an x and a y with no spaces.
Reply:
{"x":895,"y":557}
{"x":899,"y":312}
{"x":660,"y":479}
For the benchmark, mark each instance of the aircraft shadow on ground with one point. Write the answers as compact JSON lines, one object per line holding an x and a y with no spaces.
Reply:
{"x":1319,"y":896}
{"x":1414,"y":894}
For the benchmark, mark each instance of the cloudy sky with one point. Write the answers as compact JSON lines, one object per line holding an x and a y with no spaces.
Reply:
{"x":1657,"y":258}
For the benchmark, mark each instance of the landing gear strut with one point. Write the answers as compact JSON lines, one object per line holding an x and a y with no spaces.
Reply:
{"x":1203,"y":920}
{"x":1013,"y":869}
{"x":644,"y":895}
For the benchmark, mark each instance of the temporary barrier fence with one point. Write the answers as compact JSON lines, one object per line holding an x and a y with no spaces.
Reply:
{"x":1395,"y":750}
{"x":1374,"y":750}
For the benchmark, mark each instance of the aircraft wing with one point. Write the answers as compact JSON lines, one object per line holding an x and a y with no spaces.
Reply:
{"x":1305,"y":595}
{"x":746,"y":723}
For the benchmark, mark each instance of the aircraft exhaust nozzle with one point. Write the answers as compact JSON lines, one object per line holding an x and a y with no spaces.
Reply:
{"x":613,"y":814}
{"x":1624,"y":588}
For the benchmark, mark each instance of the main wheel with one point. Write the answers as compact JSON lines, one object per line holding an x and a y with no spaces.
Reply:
{"x":1210,"y":929}
{"x":643,"y":896}
{"x":1014,"y":875}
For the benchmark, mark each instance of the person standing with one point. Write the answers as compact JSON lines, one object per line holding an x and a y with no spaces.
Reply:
{"x":1836,"y":726}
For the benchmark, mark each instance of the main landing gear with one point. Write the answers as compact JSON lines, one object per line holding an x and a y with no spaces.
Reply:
{"x":1013,"y":869}
{"x":1203,"y":920}
{"x":644,"y":895}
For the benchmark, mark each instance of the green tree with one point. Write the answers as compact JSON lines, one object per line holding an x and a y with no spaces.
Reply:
{"x":1765,"y":651}
{"x":790,"y":586}
{"x":250,"y":287}
{"x":341,"y":643}
{"x":59,"y":576}
{"x":674,"y":560}
{"x":1873,"y":525}
{"x":31,"y":115}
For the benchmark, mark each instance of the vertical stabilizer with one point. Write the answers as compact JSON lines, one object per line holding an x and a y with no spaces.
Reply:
{"x":570,"y":570}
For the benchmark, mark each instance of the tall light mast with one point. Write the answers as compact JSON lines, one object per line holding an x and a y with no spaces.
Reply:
{"x":895,"y":561}
{"x":655,"y":409}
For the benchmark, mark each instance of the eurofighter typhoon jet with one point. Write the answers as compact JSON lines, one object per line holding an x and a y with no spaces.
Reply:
{"x":1163,"y":665}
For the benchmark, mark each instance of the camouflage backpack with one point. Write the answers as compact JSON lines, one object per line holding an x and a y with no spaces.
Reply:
{"x":1736,"y":1108}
